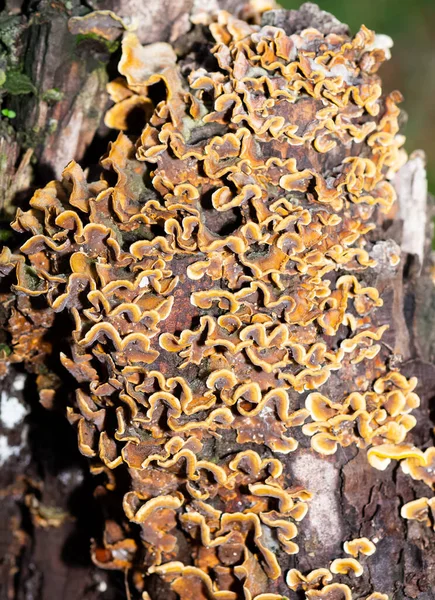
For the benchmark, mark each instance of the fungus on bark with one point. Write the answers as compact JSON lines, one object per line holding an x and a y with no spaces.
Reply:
{"x":217,"y":280}
{"x":359,"y":546}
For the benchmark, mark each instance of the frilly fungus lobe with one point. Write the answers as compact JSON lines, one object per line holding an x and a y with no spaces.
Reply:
{"x":216,"y":277}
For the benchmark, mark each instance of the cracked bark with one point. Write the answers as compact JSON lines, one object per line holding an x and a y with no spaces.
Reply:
{"x":48,"y":513}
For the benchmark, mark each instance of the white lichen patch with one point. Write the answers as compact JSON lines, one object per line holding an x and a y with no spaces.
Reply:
{"x":411,"y":185}
{"x":335,"y":71}
{"x":382,"y":42}
{"x":12,"y":411}
{"x":71,"y":477}
{"x":19,"y":383}
{"x":321,"y":479}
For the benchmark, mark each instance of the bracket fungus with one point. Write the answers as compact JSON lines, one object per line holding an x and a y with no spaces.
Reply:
{"x":217,"y":284}
{"x":422,"y":510}
{"x":358,"y":546}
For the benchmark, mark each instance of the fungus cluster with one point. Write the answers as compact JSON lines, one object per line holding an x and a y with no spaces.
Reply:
{"x":217,"y":279}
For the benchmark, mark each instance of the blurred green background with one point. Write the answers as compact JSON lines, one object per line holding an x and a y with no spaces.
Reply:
{"x":411,"y":24}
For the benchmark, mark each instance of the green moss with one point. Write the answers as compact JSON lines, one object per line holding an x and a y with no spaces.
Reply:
{"x":52,"y":95}
{"x":52,"y":125}
{"x":10,"y":29}
{"x":32,"y":281}
{"x":18,"y":83}
{"x":5,"y":235}
{"x":5,"y":348}
{"x":111,"y":46}
{"x":32,"y":138}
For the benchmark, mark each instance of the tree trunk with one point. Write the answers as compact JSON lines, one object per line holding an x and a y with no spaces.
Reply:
{"x":56,"y":85}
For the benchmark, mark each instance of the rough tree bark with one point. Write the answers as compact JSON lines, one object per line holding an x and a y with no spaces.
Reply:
{"x":55,"y":83}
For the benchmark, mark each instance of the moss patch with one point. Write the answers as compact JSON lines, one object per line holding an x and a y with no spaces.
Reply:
{"x":110,"y":46}
{"x":18,"y":83}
